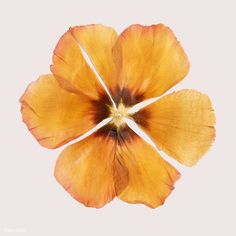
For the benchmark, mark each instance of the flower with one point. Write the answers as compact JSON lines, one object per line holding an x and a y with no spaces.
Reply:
{"x":105,"y":87}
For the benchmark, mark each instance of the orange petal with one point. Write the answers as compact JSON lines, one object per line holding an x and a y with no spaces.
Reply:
{"x":181,"y":124}
{"x":53,"y":115}
{"x":150,"y":60}
{"x":69,"y":65}
{"x":98,"y":41}
{"x":88,"y":171}
{"x":151,"y":178}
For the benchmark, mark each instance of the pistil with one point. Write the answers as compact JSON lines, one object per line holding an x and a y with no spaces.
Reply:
{"x":118,"y":115}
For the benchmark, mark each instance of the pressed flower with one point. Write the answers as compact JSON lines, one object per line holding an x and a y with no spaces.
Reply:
{"x":104,"y":90}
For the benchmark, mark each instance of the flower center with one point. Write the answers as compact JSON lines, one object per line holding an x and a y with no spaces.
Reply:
{"x":119,"y":114}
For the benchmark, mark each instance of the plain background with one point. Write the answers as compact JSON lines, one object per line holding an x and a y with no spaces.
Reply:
{"x":33,"y":203}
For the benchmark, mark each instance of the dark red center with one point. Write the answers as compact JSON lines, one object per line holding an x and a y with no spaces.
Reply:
{"x":100,"y":110}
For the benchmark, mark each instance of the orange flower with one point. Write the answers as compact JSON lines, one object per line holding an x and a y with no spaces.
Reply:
{"x":104,"y":87}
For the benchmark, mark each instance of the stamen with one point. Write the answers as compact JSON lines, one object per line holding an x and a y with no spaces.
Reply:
{"x":132,"y":124}
{"x":118,"y":115}
{"x":88,"y":60}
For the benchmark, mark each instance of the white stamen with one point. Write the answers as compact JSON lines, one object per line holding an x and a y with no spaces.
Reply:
{"x":133,"y":125}
{"x":88,"y":60}
{"x":141,"y":105}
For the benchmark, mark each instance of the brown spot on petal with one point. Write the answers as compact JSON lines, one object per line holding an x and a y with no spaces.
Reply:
{"x":100,"y":108}
{"x":121,"y":135}
{"x":128,"y":97}
{"x":142,"y":118}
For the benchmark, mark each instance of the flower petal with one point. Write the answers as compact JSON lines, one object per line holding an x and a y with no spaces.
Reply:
{"x":150,"y":59}
{"x":182,"y":125}
{"x":98,"y":41}
{"x":69,"y":65}
{"x":88,"y":170}
{"x":151,"y":178}
{"x":53,"y":115}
